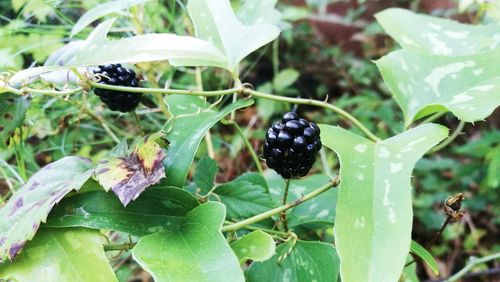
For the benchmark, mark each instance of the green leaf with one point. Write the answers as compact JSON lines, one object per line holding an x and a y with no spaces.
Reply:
{"x":204,"y":176}
{"x":307,"y":261}
{"x":374,"y":208}
{"x":245,"y":196}
{"x":468,"y":86}
{"x":188,"y":131}
{"x":129,"y":175}
{"x":31,"y":204}
{"x":102,"y":10}
{"x":197,"y":251}
{"x":320,"y":209}
{"x":263,"y":11}
{"x":12,"y":114}
{"x":158,"y":209}
{"x":431,"y":35}
{"x":73,"y":254}
{"x":422,"y":253}
{"x":214,"y":21}
{"x":97,"y":50}
{"x":284,"y":79}
{"x":257,"y":246}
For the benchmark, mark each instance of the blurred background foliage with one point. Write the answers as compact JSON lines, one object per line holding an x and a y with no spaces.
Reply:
{"x":324,"y":52}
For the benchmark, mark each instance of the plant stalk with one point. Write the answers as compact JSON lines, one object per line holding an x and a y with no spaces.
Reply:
{"x":280,"y":209}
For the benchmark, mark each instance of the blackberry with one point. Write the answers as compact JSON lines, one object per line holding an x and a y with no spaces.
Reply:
{"x":291,"y":146}
{"x":115,"y":74}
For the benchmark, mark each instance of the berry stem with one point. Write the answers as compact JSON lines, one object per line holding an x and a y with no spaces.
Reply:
{"x":285,"y":197}
{"x":275,"y":211}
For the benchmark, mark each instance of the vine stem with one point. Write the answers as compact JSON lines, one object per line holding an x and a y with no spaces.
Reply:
{"x":247,"y":143}
{"x":450,"y":139}
{"x":285,"y":197}
{"x":472,"y":262}
{"x":275,"y":211}
{"x":322,"y":104}
{"x":239,"y":89}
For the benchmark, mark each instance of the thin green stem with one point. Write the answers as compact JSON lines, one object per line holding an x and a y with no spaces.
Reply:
{"x":472,"y":262}
{"x":278,"y":210}
{"x":450,"y":139}
{"x":253,"y":228}
{"x":165,"y":91}
{"x":301,"y":101}
{"x":247,"y":143}
{"x":208,"y":135}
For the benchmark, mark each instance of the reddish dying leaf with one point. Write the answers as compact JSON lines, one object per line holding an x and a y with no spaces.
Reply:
{"x":129,"y":175}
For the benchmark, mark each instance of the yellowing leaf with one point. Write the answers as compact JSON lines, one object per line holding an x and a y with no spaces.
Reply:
{"x":129,"y":175}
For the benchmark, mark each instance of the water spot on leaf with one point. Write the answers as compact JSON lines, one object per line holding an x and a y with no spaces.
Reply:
{"x":396,"y":167}
{"x":384,"y":152}
{"x":359,"y":223}
{"x":439,"y":73}
{"x":323,"y":213}
{"x":360,"y":148}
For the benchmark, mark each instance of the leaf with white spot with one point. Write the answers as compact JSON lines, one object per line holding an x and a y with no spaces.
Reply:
{"x":216,"y":22}
{"x":304,"y":261}
{"x":68,"y":254}
{"x":374,"y":208}
{"x":102,"y":10}
{"x":98,"y":50}
{"x":432,"y":35}
{"x":196,"y":251}
{"x":468,"y":86}
{"x":31,"y":204}
{"x":262,"y":11}
{"x":129,"y":175}
{"x":256,"y":246}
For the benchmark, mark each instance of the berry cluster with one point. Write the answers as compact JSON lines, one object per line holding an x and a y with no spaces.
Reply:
{"x":291,"y":146}
{"x":115,"y":74}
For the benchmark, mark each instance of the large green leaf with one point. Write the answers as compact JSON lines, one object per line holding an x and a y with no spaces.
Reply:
{"x":196,"y":251}
{"x":307,"y":261}
{"x":320,"y":209}
{"x":158,"y":209}
{"x":374,"y":209}
{"x":257,"y":246}
{"x":73,"y":254}
{"x":215,"y":22}
{"x":97,"y":50}
{"x":102,"y":10}
{"x":12,"y":113}
{"x":129,"y":174}
{"x":188,"y":131}
{"x":245,"y":196}
{"x":468,"y":86}
{"x":431,"y":35}
{"x":31,"y":204}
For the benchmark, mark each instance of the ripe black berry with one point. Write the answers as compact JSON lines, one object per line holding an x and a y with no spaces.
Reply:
{"x":291,"y":146}
{"x":115,"y":74}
